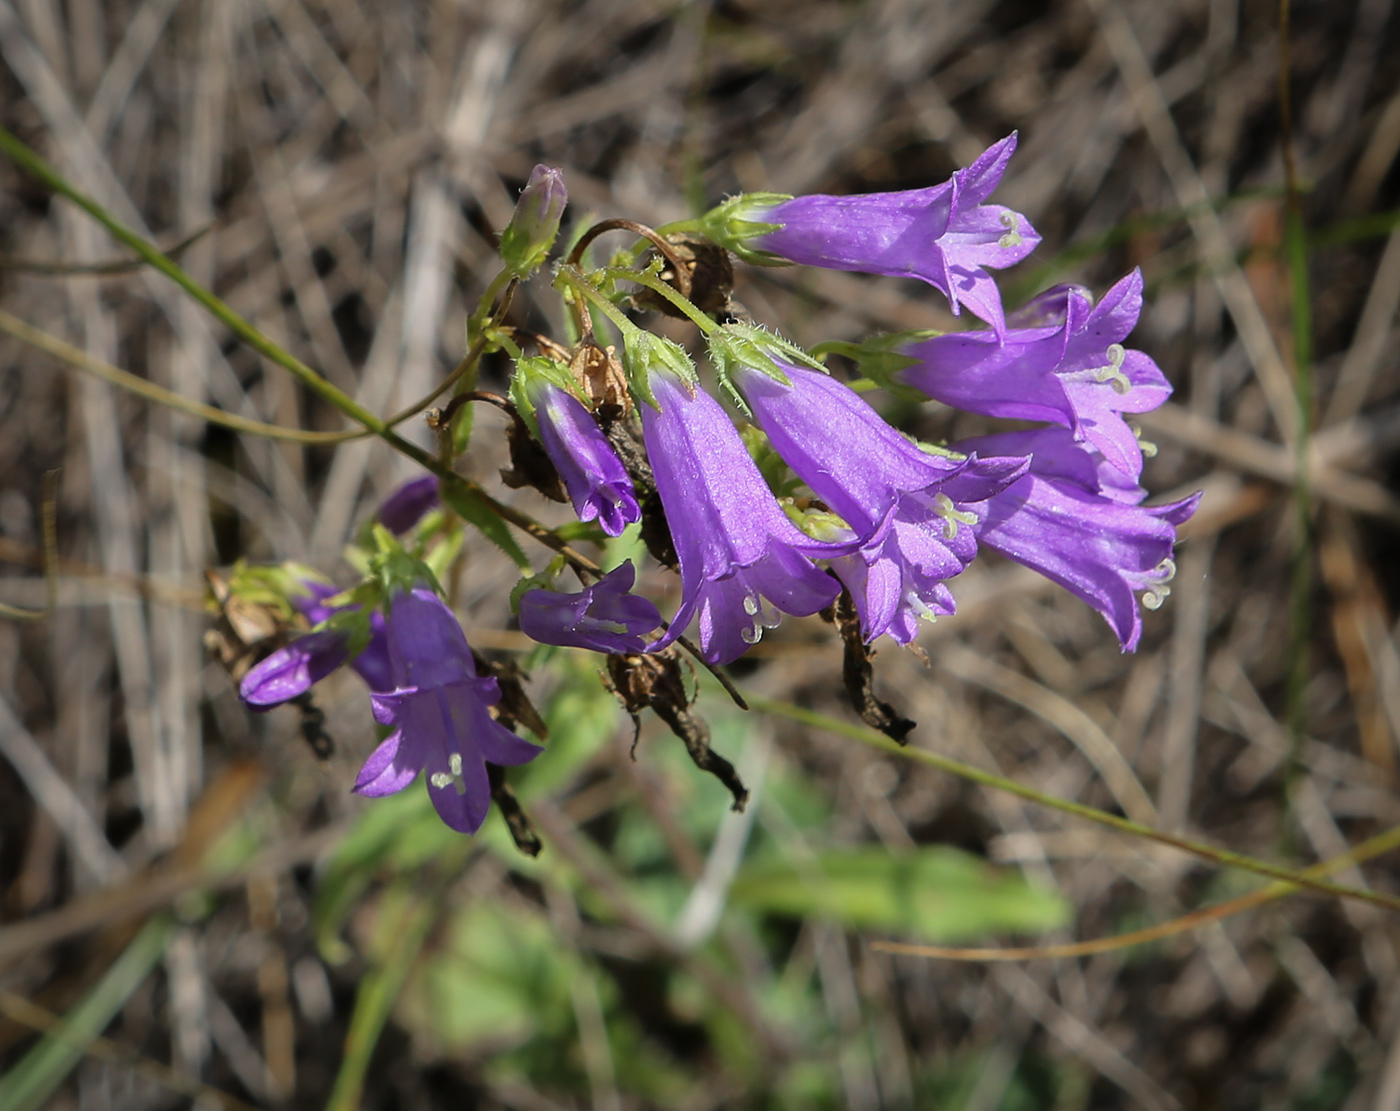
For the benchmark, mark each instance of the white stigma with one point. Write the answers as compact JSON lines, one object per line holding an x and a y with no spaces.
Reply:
{"x":1012,"y":238}
{"x":1113,"y":372}
{"x":952,"y":515}
{"x":920,"y":607}
{"x":1147,"y":447}
{"x":1157,"y":593}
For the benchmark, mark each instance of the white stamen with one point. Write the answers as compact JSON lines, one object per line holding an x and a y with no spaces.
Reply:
{"x":920,"y":607}
{"x":1113,"y":372}
{"x":952,"y":515}
{"x":442,"y":780}
{"x":751,"y":604}
{"x":1154,"y":597}
{"x":1012,"y":238}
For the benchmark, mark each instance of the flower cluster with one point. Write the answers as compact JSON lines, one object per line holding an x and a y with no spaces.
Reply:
{"x":814,"y":498}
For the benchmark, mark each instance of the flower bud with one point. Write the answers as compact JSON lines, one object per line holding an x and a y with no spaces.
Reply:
{"x":535,"y":223}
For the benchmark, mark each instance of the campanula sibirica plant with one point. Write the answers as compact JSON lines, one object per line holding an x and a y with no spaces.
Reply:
{"x":773,"y":488}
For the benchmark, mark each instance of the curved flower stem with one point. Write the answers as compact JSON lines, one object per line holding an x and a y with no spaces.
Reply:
{"x":656,"y":285}
{"x":49,"y":518}
{"x":989,"y":779}
{"x":469,"y":360}
{"x":18,"y":152}
{"x":573,"y":279}
{"x":440,"y":419}
{"x":1368,"y":849}
{"x":666,"y":249}
{"x":52,"y":345}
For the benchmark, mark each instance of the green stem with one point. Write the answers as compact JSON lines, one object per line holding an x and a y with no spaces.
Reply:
{"x":573,"y":278}
{"x":52,"y":345}
{"x":21,"y":154}
{"x":465,"y":367}
{"x":1300,"y":587}
{"x":488,"y":299}
{"x":1124,"y":825}
{"x":656,"y":285}
{"x":696,"y":224}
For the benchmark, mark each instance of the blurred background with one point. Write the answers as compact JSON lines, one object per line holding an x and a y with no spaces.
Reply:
{"x":191,"y":883}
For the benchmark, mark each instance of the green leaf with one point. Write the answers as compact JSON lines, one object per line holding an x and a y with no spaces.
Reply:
{"x":394,"y":836}
{"x":500,"y":978}
{"x":31,"y":1082}
{"x":403,"y":921}
{"x":937,"y":893}
{"x":472,"y":508}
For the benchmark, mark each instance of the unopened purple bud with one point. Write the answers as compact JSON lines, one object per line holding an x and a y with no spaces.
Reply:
{"x":293,"y":670}
{"x":605,"y":617}
{"x":535,"y":224}
{"x":407,"y":505}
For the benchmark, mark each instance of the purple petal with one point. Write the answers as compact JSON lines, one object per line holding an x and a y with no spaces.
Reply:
{"x":383,"y":774}
{"x":837,"y":444}
{"x":407,"y":505}
{"x":724,"y":520}
{"x":597,"y":482}
{"x":943,"y":235}
{"x":292,"y":671}
{"x":604,"y":617}
{"x":427,"y":647}
{"x":1102,"y":551}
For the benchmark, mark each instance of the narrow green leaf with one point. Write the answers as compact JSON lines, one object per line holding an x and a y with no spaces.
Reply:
{"x":404,"y":921}
{"x":473,"y":509}
{"x":28,"y":1085}
{"x":937,"y":893}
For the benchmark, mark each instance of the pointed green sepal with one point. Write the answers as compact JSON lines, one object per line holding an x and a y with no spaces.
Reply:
{"x":643,"y":352}
{"x":393,"y":569}
{"x":881,"y":358}
{"x":741,"y":219}
{"x":530,"y":373}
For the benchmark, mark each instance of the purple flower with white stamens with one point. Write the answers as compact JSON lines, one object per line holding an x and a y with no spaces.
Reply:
{"x":1073,"y":519}
{"x":605,"y":617}
{"x":407,"y":505}
{"x":944,"y":234}
{"x":295,"y":668}
{"x":439,"y":714}
{"x":593,"y":475}
{"x":735,"y":545}
{"x":1069,"y":367}
{"x":898,"y":575}
{"x":906,"y":505}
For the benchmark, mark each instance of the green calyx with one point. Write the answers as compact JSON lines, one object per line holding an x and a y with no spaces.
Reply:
{"x":738,"y":220}
{"x":393,"y":569}
{"x":644,"y":353}
{"x":819,"y":524}
{"x":530,"y":373}
{"x":542,"y":581}
{"x":272,"y":588}
{"x":744,"y":345}
{"x":881,"y":358}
